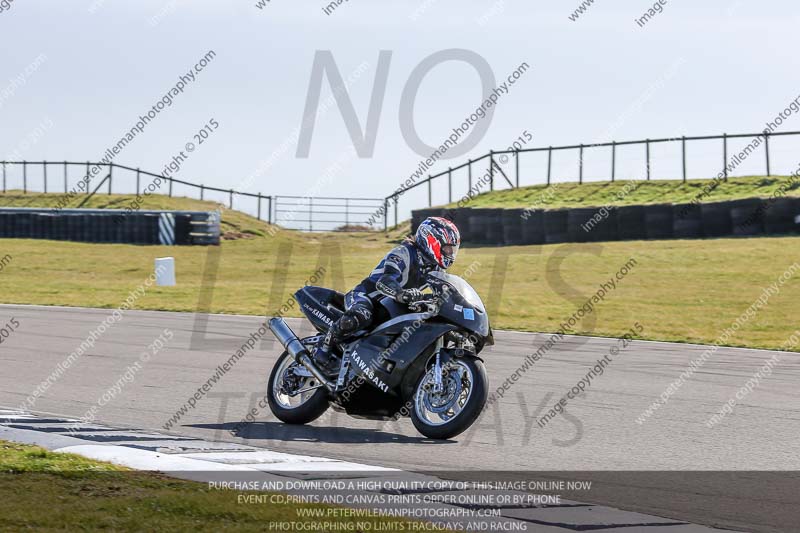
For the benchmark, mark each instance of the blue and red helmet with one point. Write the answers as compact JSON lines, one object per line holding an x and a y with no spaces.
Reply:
{"x":438,"y":239}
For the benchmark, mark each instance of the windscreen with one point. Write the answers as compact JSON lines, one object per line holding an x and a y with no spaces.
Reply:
{"x":463,"y":288}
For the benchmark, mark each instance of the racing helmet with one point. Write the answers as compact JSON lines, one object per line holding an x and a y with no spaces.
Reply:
{"x":438,"y":239}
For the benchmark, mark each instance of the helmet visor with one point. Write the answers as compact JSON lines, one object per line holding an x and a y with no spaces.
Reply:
{"x":449,"y":253}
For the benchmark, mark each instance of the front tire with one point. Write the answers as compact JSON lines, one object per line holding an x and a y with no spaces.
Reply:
{"x":445,"y":415}
{"x":301,"y":409}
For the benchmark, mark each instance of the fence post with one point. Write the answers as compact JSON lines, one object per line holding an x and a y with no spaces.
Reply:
{"x":4,"y":177}
{"x":25,"y":177}
{"x":549,"y":163}
{"x":491,"y":170}
{"x":430,"y":193}
{"x":580,"y":167}
{"x":259,"y":206}
{"x":725,"y":155}
{"x":310,"y":213}
{"x":613,"y":160}
{"x":110,"y":178}
{"x":230,"y":198}
{"x":449,"y":187}
{"x":683,"y":154}
{"x":469,"y":175}
{"x":766,"y":148}
{"x":202,"y":192}
{"x":65,"y":177}
{"x":170,"y":187}
{"x":347,"y":211}
{"x":138,"y":172}
{"x":516,"y":155}
{"x":386,"y":213}
{"x":87,"y":177}
{"x":44,"y":164}
{"x":269,"y":209}
{"x":647,"y":147}
{"x":395,"y":210}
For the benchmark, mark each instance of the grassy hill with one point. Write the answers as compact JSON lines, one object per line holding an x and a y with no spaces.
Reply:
{"x":679,"y":290}
{"x":596,"y":194}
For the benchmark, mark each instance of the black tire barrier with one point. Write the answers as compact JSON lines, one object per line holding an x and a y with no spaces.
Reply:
{"x":461,"y":220}
{"x":556,"y":226}
{"x":111,"y":226}
{"x":494,"y":231}
{"x":576,"y":218}
{"x":24,"y":224}
{"x":486,"y":226}
{"x":592,"y":224}
{"x":70,"y":229}
{"x":716,"y":219}
{"x":151,"y":223}
{"x":687,"y":221}
{"x":780,"y":215}
{"x":129,"y":227}
{"x":631,"y":225}
{"x":658,"y":221}
{"x":478,"y":228}
{"x":747,"y":216}
{"x":607,"y":229}
{"x":479,"y":222}
{"x":512,"y":227}
{"x":532,"y":227}
{"x":183,"y":229}
{"x":36,"y":226}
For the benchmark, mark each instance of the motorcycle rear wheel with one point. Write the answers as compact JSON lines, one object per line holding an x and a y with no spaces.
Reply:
{"x":447,"y":414}
{"x":294,"y":410}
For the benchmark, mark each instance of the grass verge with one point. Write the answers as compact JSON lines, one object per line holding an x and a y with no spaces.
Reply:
{"x":45,"y":491}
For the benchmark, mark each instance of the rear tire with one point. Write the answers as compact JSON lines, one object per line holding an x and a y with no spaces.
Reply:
{"x":469,"y":412}
{"x":308,"y":411}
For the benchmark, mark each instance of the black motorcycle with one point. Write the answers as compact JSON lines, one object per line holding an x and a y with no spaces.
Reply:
{"x":419,"y":360}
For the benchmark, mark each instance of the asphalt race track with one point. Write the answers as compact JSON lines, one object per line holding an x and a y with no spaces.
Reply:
{"x":681,"y":457}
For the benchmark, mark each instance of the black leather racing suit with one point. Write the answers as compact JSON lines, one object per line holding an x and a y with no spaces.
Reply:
{"x":404,"y":268}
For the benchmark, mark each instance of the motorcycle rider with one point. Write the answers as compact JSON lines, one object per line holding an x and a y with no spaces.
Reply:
{"x":400,"y":276}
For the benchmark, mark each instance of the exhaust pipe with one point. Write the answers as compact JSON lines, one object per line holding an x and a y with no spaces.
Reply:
{"x":289,"y":340}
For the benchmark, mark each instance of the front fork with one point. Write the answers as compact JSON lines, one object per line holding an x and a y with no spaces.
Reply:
{"x":438,"y":385}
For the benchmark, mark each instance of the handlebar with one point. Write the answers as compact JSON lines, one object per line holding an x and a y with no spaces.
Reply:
{"x":430,"y":302}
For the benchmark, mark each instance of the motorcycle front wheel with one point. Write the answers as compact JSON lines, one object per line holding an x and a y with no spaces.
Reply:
{"x":445,"y":413}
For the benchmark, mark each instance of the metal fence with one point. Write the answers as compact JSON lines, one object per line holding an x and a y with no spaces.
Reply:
{"x":296,"y":212}
{"x":496,"y":169}
{"x":493,"y":172}
{"x":326,"y":213}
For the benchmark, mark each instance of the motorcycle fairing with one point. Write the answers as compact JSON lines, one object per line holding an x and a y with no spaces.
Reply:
{"x":392,"y":307}
{"x":383,"y":357}
{"x":461,"y":310}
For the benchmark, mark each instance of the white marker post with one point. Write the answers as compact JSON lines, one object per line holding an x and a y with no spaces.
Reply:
{"x":165,"y":271}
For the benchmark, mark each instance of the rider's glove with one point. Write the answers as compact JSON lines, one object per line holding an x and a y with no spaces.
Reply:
{"x":408,"y":296}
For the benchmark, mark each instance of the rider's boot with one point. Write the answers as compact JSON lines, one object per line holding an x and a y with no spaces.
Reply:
{"x":322,"y":356}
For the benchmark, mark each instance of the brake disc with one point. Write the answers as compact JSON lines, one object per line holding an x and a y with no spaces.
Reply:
{"x":439,"y":403}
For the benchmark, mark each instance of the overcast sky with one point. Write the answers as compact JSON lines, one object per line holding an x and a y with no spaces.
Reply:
{"x":695,"y":68}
